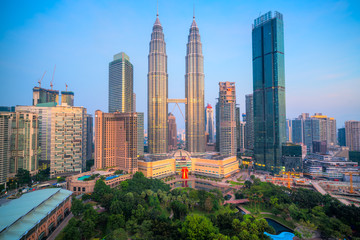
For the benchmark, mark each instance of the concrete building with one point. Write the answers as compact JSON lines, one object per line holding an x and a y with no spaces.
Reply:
{"x":172,"y":136}
{"x":121,"y":84}
{"x":134,"y":102}
{"x":157,"y":92}
{"x":268,"y":91}
{"x":352,"y":132}
{"x":62,"y":136}
{"x":289,"y":130}
{"x":327,"y":129}
{"x":5,"y":132}
{"x":227,"y":121}
{"x":209,"y":123}
{"x":67,"y":97}
{"x":116,"y":140}
{"x":209,"y":165}
{"x":42,"y":95}
{"x":319,"y":147}
{"x":194,"y":92}
{"x":249,"y":127}
{"x":89,"y":137}
{"x":35,"y":215}
{"x":140,"y":131}
{"x":24,"y":142}
{"x":240,"y":132}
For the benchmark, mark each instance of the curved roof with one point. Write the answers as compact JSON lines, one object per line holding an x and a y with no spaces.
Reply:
{"x":181,"y":153}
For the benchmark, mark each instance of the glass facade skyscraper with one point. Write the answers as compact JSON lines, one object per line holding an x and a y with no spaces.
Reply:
{"x":209,"y":123}
{"x":120,"y":84}
{"x":194,"y":92}
{"x":269,"y":91}
{"x":157,"y":92}
{"x":249,"y":127}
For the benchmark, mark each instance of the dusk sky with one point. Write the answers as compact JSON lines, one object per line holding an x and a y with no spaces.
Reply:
{"x":322,"y":50}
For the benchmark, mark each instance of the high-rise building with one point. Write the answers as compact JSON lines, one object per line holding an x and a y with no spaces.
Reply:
{"x":42,"y":95}
{"x":217,"y":124}
{"x":67,"y":97}
{"x":352,"y":132}
{"x":288,"y":130}
{"x":319,"y":147}
{"x":24,"y":142}
{"x":194,"y":92}
{"x":327,"y":128}
{"x":269,"y":91}
{"x":62,"y":136}
{"x":227,"y":121}
{"x":157,"y":92}
{"x":116,"y":140}
{"x":209,"y":123}
{"x":341,"y":137}
{"x":297,"y":130}
{"x":249,"y":127}
{"x":5,"y":131}
{"x":121,"y":84}
{"x":89,"y":137}
{"x":311,"y":132}
{"x":292,"y":159}
{"x":172,"y":132}
{"x":134,"y":102}
{"x":140,"y":131}
{"x":240,"y":132}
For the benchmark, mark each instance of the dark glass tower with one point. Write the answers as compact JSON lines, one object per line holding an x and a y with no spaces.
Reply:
{"x":269,"y":91}
{"x":194,"y":92}
{"x":157,"y":92}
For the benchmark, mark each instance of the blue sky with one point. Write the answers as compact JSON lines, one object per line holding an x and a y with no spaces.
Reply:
{"x":322,"y":49}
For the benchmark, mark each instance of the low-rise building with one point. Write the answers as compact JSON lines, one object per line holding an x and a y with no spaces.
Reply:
{"x":34,"y":215}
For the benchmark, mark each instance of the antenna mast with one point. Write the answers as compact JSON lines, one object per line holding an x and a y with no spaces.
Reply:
{"x":51,"y":83}
{"x":41,"y":79}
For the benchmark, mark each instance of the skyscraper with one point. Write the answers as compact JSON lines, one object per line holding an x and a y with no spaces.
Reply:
{"x":172,"y":132}
{"x":227,"y":121}
{"x":4,"y":146}
{"x":327,"y":128}
{"x":121,"y":84}
{"x":240,"y":132}
{"x":140,"y":130}
{"x":288,"y":130}
{"x":116,"y":140}
{"x":352,"y":131}
{"x":134,"y":102}
{"x":67,"y":97}
{"x":157,"y":92}
{"x":42,"y":95}
{"x":341,"y":137}
{"x":194,"y":92}
{"x":269,"y":91}
{"x":89,"y":137}
{"x":249,"y":127}
{"x":209,"y":123}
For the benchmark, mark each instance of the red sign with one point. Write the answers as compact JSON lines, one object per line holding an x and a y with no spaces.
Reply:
{"x":184,"y":173}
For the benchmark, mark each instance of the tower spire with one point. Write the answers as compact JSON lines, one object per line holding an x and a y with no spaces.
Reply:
{"x":157,"y":8}
{"x":194,"y":11}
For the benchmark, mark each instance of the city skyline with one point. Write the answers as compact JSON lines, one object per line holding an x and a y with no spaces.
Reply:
{"x":329,"y":73}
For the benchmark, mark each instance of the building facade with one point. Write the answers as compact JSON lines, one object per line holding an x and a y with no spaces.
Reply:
{"x":352,"y":132}
{"x":140,"y":132}
{"x":67,"y":98}
{"x":194,"y":92}
{"x":89,"y":137}
{"x":157,"y":92}
{"x":288,"y":130}
{"x":121,"y":84}
{"x":249,"y":129}
{"x":227,"y":121}
{"x":172,"y":136}
{"x":269,"y":90}
{"x":116,"y":140}
{"x":42,"y":95}
{"x":341,"y":137}
{"x":209,"y":123}
{"x":5,"y":131}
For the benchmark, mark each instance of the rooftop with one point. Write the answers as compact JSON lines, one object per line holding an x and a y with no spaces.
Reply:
{"x":21,"y":215}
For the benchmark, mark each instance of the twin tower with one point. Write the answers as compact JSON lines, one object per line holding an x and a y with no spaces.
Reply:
{"x":158,"y":92}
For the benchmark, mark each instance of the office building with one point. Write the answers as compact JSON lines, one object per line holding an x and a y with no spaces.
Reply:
{"x":194,"y":92}
{"x":319,"y":147}
{"x":140,"y":132}
{"x":116,"y":140}
{"x":327,"y":129}
{"x":134,"y":102}
{"x":62,"y":136}
{"x":249,"y":127}
{"x":157,"y":92}
{"x":172,"y":132}
{"x":269,"y":90}
{"x":217,"y":124}
{"x":352,"y":132}
{"x":227,"y":121}
{"x":209,"y":123}
{"x":311,"y":132}
{"x":288,"y":130}
{"x":297,"y":130}
{"x":292,"y":157}
{"x":341,"y":137}
{"x":42,"y":95}
{"x":5,"y":132}
{"x":67,"y":97}
{"x":240,"y":132}
{"x":121,"y":84}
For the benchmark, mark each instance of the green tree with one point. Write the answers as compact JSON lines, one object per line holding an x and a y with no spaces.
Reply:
{"x":118,"y":234}
{"x":23,"y":177}
{"x":77,"y":207}
{"x":71,"y":231}
{"x":197,"y":227}
{"x":116,"y":221}
{"x":87,"y":228}
{"x":208,"y":204}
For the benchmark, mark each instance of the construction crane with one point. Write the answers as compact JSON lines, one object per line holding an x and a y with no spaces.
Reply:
{"x":41,"y":79}
{"x":52,"y":80}
{"x":351,"y":179}
{"x":66,"y":86}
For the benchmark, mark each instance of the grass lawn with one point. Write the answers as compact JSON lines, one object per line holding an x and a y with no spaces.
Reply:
{"x":261,"y":208}
{"x":235,"y":183}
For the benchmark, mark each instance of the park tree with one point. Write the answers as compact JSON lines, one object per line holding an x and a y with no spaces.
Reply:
{"x":197,"y":227}
{"x":23,"y":177}
{"x":116,"y":221}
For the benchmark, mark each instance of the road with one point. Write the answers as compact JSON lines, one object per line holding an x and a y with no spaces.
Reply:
{"x":59,"y":228}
